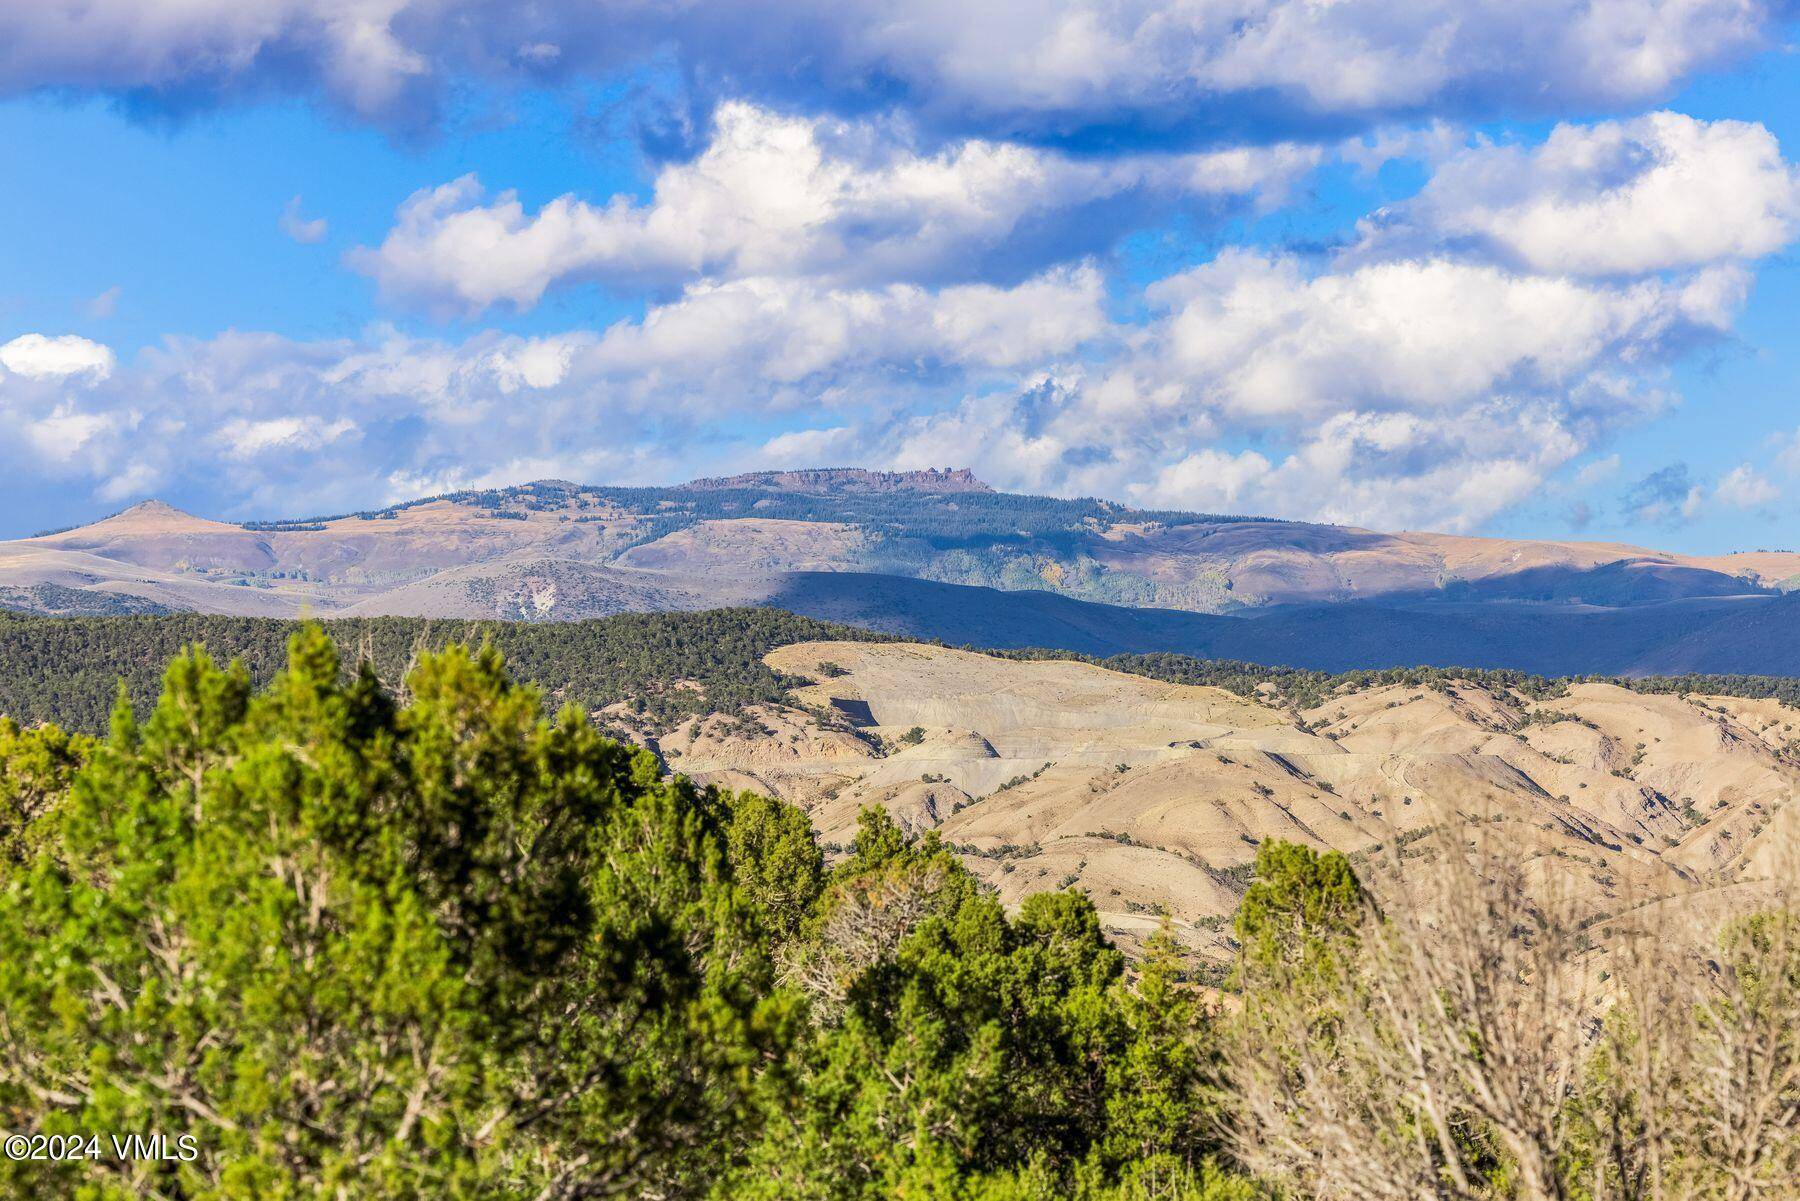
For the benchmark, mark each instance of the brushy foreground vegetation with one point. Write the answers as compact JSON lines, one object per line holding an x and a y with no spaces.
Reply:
{"x":358,"y":949}
{"x":363,"y":947}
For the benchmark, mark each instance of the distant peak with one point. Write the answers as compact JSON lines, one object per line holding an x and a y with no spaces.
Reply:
{"x":152,"y":508}
{"x":849,"y":479}
{"x":144,"y":517}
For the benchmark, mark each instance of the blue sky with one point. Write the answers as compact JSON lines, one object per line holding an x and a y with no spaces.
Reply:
{"x":1491,"y":268}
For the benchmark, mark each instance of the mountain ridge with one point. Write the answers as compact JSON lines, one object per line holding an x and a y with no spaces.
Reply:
{"x":844,"y":540}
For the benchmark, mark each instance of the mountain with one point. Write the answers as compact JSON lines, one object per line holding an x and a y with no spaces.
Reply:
{"x":939,"y":554}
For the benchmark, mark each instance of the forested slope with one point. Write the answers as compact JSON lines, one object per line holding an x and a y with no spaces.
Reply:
{"x":68,"y":670}
{"x":667,"y":665}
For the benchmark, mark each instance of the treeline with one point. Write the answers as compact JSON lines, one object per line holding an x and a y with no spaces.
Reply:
{"x":1303,"y":688}
{"x":664,"y":666}
{"x":667,"y":665}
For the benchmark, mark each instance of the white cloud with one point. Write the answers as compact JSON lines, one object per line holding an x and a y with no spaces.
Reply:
{"x":1382,"y":470}
{"x":242,"y":439}
{"x":304,"y":230}
{"x":1430,"y":393}
{"x":1434,"y":383}
{"x":1035,"y":66}
{"x":60,"y":436}
{"x":347,"y":49}
{"x":1657,"y":193}
{"x":1599,"y":471}
{"x":767,"y":337}
{"x":132,"y":480}
{"x":37,"y":356}
{"x":1266,"y":340}
{"x":773,"y":195}
{"x":277,"y":426}
{"x":1209,"y":480}
{"x":1744,"y":488}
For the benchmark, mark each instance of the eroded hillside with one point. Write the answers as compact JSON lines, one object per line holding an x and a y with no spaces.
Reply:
{"x":1152,"y":797}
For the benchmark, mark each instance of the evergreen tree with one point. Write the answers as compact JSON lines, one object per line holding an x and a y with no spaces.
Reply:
{"x":345,"y":947}
{"x":356,"y":950}
{"x":958,"y":1051}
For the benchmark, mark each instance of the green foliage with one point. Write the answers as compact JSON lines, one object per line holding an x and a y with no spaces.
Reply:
{"x":1300,"y":903}
{"x":67,"y":670}
{"x":442,"y":946}
{"x":35,"y":766}
{"x":448,"y":950}
{"x":663,"y":667}
{"x":965,"y":1053}
{"x":775,"y":859}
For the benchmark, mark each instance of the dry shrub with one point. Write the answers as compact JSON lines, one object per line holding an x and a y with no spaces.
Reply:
{"x":1475,"y":1041}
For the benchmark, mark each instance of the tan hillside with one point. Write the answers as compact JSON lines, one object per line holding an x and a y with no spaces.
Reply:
{"x":1152,"y":796}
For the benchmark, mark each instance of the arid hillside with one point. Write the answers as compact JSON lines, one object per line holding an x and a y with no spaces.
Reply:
{"x":1153,"y":797}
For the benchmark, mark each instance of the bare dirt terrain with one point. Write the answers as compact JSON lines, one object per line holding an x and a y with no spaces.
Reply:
{"x":1152,"y":797}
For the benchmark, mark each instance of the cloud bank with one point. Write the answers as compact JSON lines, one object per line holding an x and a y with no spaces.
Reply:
{"x":833,"y":201}
{"x":1042,"y":69}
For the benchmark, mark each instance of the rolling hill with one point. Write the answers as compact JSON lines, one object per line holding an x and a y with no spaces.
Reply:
{"x":1152,"y":796}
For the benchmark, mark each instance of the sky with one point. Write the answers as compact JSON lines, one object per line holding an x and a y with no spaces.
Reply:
{"x":1522,"y":268}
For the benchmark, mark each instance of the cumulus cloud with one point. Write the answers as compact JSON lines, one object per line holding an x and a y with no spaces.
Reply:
{"x":1743,"y":487}
{"x":1042,"y":68}
{"x":280,"y":426}
{"x":1423,"y":393}
{"x":241,"y":439}
{"x":1391,"y":470}
{"x":1273,"y":341}
{"x":1598,"y":471}
{"x":773,"y":195}
{"x":1429,"y":392}
{"x":1382,"y":470}
{"x":826,"y":293}
{"x":1658,"y":193}
{"x":37,"y":356}
{"x":61,"y":435}
{"x":1434,"y":394}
